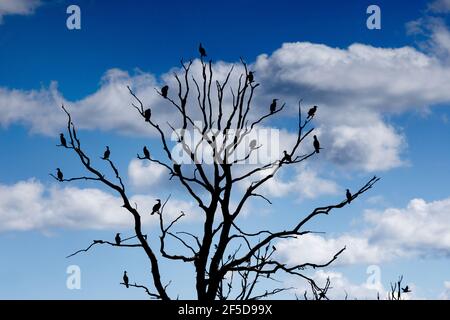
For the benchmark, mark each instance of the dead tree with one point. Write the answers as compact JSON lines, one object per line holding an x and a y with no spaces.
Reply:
{"x":229,"y":262}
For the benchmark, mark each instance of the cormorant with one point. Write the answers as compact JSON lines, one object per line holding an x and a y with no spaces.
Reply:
{"x":146,"y":153}
{"x":253,"y":144}
{"x":118,"y":240}
{"x":406,"y":289}
{"x":177,"y":168}
{"x":164,"y":91}
{"x":287,"y":157}
{"x":349,"y":196}
{"x":251,"y":76}
{"x":125,"y":279}
{"x":156,"y":207}
{"x":63,"y":140}
{"x":312,"y":112}
{"x":147,"y":115}
{"x":59,"y":174}
{"x":202,"y":51}
{"x":106,"y":154}
{"x":316,"y":145}
{"x":273,"y":106}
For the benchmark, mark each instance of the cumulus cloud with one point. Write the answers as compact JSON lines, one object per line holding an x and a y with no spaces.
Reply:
{"x":445,"y":295}
{"x":18,"y":7}
{"x":440,"y":6}
{"x":145,"y":174}
{"x":341,"y":287}
{"x":317,"y":249}
{"x":354,"y":88}
{"x":30,"y":205}
{"x":419,"y":230}
{"x":304,"y":183}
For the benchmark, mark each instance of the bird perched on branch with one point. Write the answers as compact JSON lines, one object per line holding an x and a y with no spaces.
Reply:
{"x":316,"y":144}
{"x":106,"y":154}
{"x":117,"y":238}
{"x":125,"y":279}
{"x":312,"y":112}
{"x":202,"y":51}
{"x":147,"y":115}
{"x":349,"y":196}
{"x":146,"y":153}
{"x":273,"y":106}
{"x":59,"y":174}
{"x":287,"y":157}
{"x":156,"y":207}
{"x":252,"y":144}
{"x":251,"y":76}
{"x":63,"y":140}
{"x":164,"y":91}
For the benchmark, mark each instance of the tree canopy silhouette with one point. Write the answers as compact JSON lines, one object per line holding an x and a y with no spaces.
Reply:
{"x":229,"y":262}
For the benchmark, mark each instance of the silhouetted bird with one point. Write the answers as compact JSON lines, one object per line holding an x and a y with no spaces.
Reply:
{"x":253,"y":144}
{"x":59,"y":174}
{"x":312,"y":112}
{"x":251,"y":76}
{"x":63,"y":140}
{"x":146,"y":153}
{"x":118,"y":240}
{"x":177,"y":168}
{"x":125,"y":279}
{"x":287,"y":157}
{"x":164,"y":91}
{"x":406,"y":289}
{"x":202,"y":51}
{"x":147,"y":115}
{"x":349,"y":196}
{"x":106,"y":154}
{"x":316,"y":145}
{"x":274,"y":248}
{"x":273,"y":106}
{"x":156,"y":207}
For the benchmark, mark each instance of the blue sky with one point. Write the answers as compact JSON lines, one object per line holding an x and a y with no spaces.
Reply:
{"x":383,"y":110}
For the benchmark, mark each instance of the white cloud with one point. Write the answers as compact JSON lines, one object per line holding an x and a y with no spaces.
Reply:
{"x":18,"y":7}
{"x":304,"y":183}
{"x":29,"y":205}
{"x":419,"y":230}
{"x":317,"y":249}
{"x":445,"y":295}
{"x":372,"y":147}
{"x":340,"y":287}
{"x":422,"y":227}
{"x":440,"y":6}
{"x":145,"y":173}
{"x":354,"y":87}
